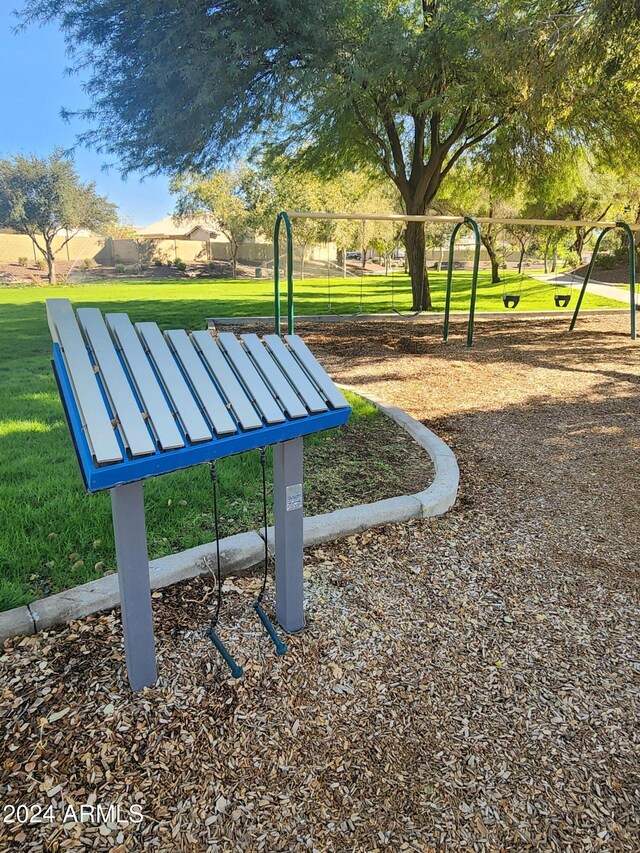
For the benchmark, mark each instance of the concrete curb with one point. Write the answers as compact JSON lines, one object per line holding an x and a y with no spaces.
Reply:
{"x":237,"y":554}
{"x":244,"y":551}
{"x":16,"y":622}
{"x":441,"y":494}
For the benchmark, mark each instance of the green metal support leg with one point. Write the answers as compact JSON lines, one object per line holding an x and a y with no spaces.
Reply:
{"x":283,"y":217}
{"x":632,"y":276}
{"x":474,"y":278}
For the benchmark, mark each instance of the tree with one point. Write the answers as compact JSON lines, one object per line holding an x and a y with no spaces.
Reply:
{"x":521,"y":236}
{"x":44,"y":197}
{"x":408,"y":87}
{"x":594,"y":199}
{"x":583,"y":187}
{"x":353,"y":191}
{"x":437,"y":237}
{"x":224,"y":196}
{"x":473,"y":185}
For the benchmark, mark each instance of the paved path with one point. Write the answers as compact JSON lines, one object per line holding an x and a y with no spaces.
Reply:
{"x":599,"y":288}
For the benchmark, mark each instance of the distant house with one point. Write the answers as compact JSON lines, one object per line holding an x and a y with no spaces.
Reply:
{"x":197,"y":239}
{"x":171,"y":228}
{"x":190,"y":240}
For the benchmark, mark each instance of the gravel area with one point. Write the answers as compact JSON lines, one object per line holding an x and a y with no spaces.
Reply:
{"x":464,"y":683}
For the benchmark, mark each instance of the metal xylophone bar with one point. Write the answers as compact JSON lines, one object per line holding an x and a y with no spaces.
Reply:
{"x":141,"y":402}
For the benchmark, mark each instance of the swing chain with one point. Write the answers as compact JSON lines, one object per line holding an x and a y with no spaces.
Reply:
{"x":236,"y":671}
{"x":213,"y":474}
{"x":263,"y":466}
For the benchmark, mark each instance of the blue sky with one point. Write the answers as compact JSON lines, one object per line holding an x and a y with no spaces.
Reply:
{"x":35,"y":88}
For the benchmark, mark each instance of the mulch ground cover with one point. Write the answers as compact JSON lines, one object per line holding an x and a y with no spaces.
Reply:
{"x":464,"y":683}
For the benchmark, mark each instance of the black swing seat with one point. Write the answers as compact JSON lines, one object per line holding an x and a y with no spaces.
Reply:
{"x":562,"y":299}
{"x":510,"y":300}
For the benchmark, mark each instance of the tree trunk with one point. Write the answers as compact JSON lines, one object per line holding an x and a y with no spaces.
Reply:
{"x":520,"y":260}
{"x":234,"y":258}
{"x":554,"y":262}
{"x":487,"y":242}
{"x":578,"y":243}
{"x":416,"y":249}
{"x":51,"y":264}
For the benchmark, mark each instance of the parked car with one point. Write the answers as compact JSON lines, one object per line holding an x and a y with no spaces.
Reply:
{"x":354,"y":256}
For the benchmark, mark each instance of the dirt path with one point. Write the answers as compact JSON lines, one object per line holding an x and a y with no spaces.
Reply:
{"x":469,"y":682}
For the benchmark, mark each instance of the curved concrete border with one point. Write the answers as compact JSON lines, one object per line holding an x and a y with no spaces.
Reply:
{"x":244,"y":551}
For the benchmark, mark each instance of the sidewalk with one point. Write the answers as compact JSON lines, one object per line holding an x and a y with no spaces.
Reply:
{"x":599,"y":288}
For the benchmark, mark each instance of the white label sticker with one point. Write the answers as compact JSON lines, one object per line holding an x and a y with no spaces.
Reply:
{"x":294,"y":497}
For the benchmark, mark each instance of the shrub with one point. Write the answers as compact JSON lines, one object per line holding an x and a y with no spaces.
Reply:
{"x":41,"y":264}
{"x":570,"y":259}
{"x":157,"y":262}
{"x":616,"y":257}
{"x":177,"y":261}
{"x":212,"y":265}
{"x":23,"y":261}
{"x":88,"y":264}
{"x":180,"y":265}
{"x":607,"y":262}
{"x":120,"y":268}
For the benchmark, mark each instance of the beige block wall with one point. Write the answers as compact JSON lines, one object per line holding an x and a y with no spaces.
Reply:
{"x":147,"y":251}
{"x":14,"y":246}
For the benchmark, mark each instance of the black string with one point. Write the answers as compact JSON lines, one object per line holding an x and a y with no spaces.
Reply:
{"x":213,"y":473}
{"x":263,"y":463}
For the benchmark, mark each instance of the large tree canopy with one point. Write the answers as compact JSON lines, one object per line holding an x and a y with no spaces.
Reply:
{"x":408,"y":86}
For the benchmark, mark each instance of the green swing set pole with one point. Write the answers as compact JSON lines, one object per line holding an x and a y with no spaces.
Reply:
{"x":447,"y":300}
{"x":632,"y":275}
{"x":474,"y":278}
{"x":280,"y":218}
{"x":587,"y":278}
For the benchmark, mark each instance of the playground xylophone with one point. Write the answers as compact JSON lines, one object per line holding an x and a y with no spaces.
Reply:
{"x":141,"y":402}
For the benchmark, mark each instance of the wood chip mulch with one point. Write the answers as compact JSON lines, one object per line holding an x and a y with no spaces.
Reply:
{"x":464,"y":683}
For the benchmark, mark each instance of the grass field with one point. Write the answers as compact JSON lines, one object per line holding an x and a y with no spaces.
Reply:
{"x":53,"y":536}
{"x":311,"y":295}
{"x":247,"y":297}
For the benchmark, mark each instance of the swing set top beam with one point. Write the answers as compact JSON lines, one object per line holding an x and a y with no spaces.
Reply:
{"x":481,"y":220}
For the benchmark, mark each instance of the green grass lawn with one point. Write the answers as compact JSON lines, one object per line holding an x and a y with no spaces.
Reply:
{"x":53,"y":535}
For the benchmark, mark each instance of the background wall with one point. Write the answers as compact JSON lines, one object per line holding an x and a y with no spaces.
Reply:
{"x":14,"y":246}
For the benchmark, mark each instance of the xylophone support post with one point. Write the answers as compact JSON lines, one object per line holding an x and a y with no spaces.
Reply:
{"x":127,"y":508}
{"x":288,"y":514}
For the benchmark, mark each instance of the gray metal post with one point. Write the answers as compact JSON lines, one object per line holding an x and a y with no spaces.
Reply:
{"x":127,"y":509}
{"x":288,"y":512}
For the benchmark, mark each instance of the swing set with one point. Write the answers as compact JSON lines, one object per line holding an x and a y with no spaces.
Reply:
{"x":360,"y":310}
{"x":512,"y":290}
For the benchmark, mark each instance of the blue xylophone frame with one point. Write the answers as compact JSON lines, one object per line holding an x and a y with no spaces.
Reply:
{"x":130,"y":470}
